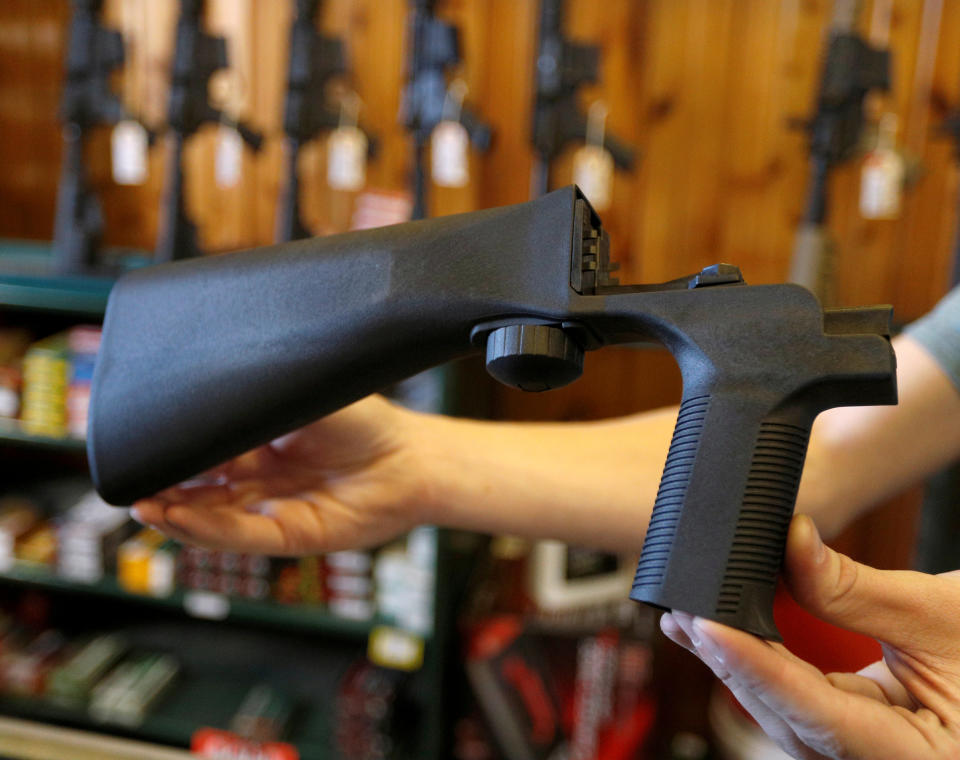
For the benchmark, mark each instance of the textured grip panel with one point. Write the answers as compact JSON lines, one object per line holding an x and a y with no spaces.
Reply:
{"x":670,"y":496}
{"x":761,"y":533}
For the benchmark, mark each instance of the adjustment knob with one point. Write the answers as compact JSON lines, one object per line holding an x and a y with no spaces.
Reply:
{"x":533,"y":357}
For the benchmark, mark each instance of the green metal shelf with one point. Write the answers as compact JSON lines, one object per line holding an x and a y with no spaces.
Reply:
{"x":195,"y":701}
{"x":289,"y":617}
{"x":28,"y":281}
{"x":12,"y":435}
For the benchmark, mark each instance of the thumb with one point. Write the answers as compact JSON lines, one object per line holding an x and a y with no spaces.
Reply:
{"x":894,"y":606}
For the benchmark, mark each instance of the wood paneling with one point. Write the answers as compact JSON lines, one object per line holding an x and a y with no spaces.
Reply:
{"x":707,"y":89}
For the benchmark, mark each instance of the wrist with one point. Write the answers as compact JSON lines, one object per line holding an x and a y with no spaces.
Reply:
{"x":427,"y":444}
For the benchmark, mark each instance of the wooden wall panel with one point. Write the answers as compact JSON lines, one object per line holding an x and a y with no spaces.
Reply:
{"x":706,"y":89}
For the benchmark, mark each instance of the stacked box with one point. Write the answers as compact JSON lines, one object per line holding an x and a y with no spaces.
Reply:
{"x":245,"y":575}
{"x":72,"y":682}
{"x":57,"y":373}
{"x":300,"y":581}
{"x":405,"y":581}
{"x":18,"y":516}
{"x":39,"y":545}
{"x":89,"y":535}
{"x":46,"y":370}
{"x":349,"y":584}
{"x":83,"y":343}
{"x":135,"y":685}
{"x":264,"y":714}
{"x":368,"y":723}
{"x":24,"y":670}
{"x":13,"y":344}
{"x":146,"y":563}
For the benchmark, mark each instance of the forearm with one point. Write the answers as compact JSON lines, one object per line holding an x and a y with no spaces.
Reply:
{"x":591,"y":483}
{"x":595,"y":483}
{"x":859,"y":456}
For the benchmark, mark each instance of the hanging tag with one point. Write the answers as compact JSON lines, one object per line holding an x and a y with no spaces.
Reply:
{"x":881,"y":179}
{"x":449,"y":142}
{"x":128,"y":153}
{"x":347,"y":159}
{"x":881,"y":185}
{"x":592,"y":163}
{"x":593,"y":173}
{"x":229,"y":156}
{"x":449,"y":157}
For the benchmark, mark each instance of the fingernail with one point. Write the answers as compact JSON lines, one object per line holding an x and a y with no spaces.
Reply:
{"x":136,"y":516}
{"x":820,"y":551}
{"x":668,"y":625}
{"x":259,"y":507}
{"x":706,"y":645}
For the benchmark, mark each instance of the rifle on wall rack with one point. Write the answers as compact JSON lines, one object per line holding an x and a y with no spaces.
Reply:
{"x":197,"y":56}
{"x":88,"y":101}
{"x":433,"y":47}
{"x":562,"y":67}
{"x":315,"y":61}
{"x":851,"y":69}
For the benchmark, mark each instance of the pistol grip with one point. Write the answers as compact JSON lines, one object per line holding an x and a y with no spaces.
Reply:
{"x":716,"y":551}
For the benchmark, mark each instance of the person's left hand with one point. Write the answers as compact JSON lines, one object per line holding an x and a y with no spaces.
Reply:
{"x":904,"y":707}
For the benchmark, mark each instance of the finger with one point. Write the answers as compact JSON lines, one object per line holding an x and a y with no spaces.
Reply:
{"x":893,"y":690}
{"x":196,"y":494}
{"x":857,"y":684}
{"x":898,"y":607}
{"x":147,"y":511}
{"x":772,"y":725}
{"x":226,"y":528}
{"x":672,"y":630}
{"x":828,"y":720}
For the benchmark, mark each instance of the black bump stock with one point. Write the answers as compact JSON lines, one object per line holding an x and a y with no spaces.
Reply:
{"x":269,"y":339}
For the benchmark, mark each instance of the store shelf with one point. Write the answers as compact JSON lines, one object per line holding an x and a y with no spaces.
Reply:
{"x":27,"y":279}
{"x":12,"y":435}
{"x":195,"y":701}
{"x":288,"y":617}
{"x":29,"y":740}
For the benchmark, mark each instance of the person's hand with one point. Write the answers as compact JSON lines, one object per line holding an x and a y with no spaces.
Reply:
{"x":904,"y":707}
{"x":347,"y":481}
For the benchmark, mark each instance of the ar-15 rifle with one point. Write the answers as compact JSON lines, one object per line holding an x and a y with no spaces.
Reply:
{"x":197,"y":55}
{"x":266,"y":340}
{"x":93,"y":52}
{"x":315,"y":60}
{"x":851,"y":70}
{"x":562,"y":67}
{"x":433,"y":46}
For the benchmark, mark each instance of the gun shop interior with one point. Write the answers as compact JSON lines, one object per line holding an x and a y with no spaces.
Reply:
{"x":262,"y":266}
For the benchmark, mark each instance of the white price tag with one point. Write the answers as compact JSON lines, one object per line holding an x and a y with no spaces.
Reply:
{"x":347,"y":159}
{"x":206,"y":604}
{"x":881,"y":185}
{"x":593,"y":173}
{"x":392,"y":648}
{"x":6,"y":552}
{"x":128,"y":153}
{"x":228,"y":162}
{"x":449,"y":156}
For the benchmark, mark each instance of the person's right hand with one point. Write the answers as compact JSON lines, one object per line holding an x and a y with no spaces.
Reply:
{"x":350,"y":480}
